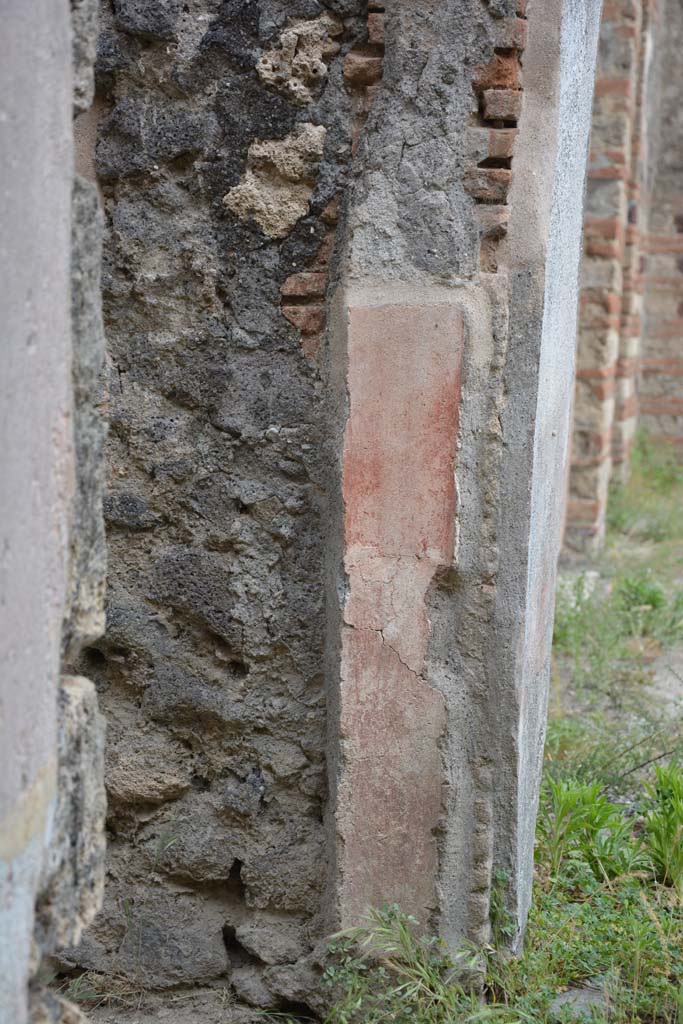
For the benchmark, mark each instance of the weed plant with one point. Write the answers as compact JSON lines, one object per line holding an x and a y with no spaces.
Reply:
{"x":664,"y":826}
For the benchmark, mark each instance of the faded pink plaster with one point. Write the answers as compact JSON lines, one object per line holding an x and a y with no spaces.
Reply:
{"x":399,"y":494}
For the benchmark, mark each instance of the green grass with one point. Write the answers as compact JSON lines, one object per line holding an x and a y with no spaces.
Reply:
{"x":605,"y":635}
{"x":648,"y":507}
{"x":606,"y":641}
{"x":607,"y":906}
{"x":664,"y":826}
{"x":610,"y":631}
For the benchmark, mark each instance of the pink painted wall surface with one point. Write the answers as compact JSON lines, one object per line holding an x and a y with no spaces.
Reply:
{"x":400,"y":502}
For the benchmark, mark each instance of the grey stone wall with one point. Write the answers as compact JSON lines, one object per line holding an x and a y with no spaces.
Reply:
{"x":226,"y":133}
{"x":215,"y":138}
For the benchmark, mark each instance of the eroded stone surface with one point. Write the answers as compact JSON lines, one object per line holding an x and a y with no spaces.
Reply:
{"x":221,"y":457}
{"x":84,"y":620}
{"x":84,"y":29}
{"x":277,"y":186}
{"x":296,"y":65}
{"x":73,"y":885}
{"x":155,"y":20}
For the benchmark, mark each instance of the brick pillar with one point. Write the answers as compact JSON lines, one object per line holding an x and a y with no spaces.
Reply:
{"x":450,"y":371}
{"x":662,"y":368}
{"x":643,"y":31}
{"x":603,"y":375}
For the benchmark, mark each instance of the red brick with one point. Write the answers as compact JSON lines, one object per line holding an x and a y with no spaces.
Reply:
{"x":501,"y":142}
{"x":613,"y":87}
{"x":310,"y":346}
{"x":307,"y":284}
{"x":596,"y":373}
{"x":488,"y":254}
{"x":583,"y":510}
{"x":513,"y":34}
{"x":376,"y":29}
{"x":608,"y":300}
{"x":670,"y":367}
{"x":629,"y":408}
{"x":324,"y":252}
{"x":308,"y":319}
{"x":663,"y":243}
{"x":628,"y":367}
{"x":612,"y":173}
{"x":666,"y":329}
{"x":604,"y":227}
{"x":658,"y":283}
{"x":502,"y":72}
{"x":330,"y":214}
{"x":361,"y":69}
{"x":502,"y":104}
{"x":592,"y":320}
{"x":617,"y":156}
{"x":493,"y":219}
{"x":489,"y":184}
{"x":607,"y":250}
{"x":613,"y":302}
{"x":603,"y":389}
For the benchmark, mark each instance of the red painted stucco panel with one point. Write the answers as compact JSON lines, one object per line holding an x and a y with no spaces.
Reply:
{"x":400,"y":505}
